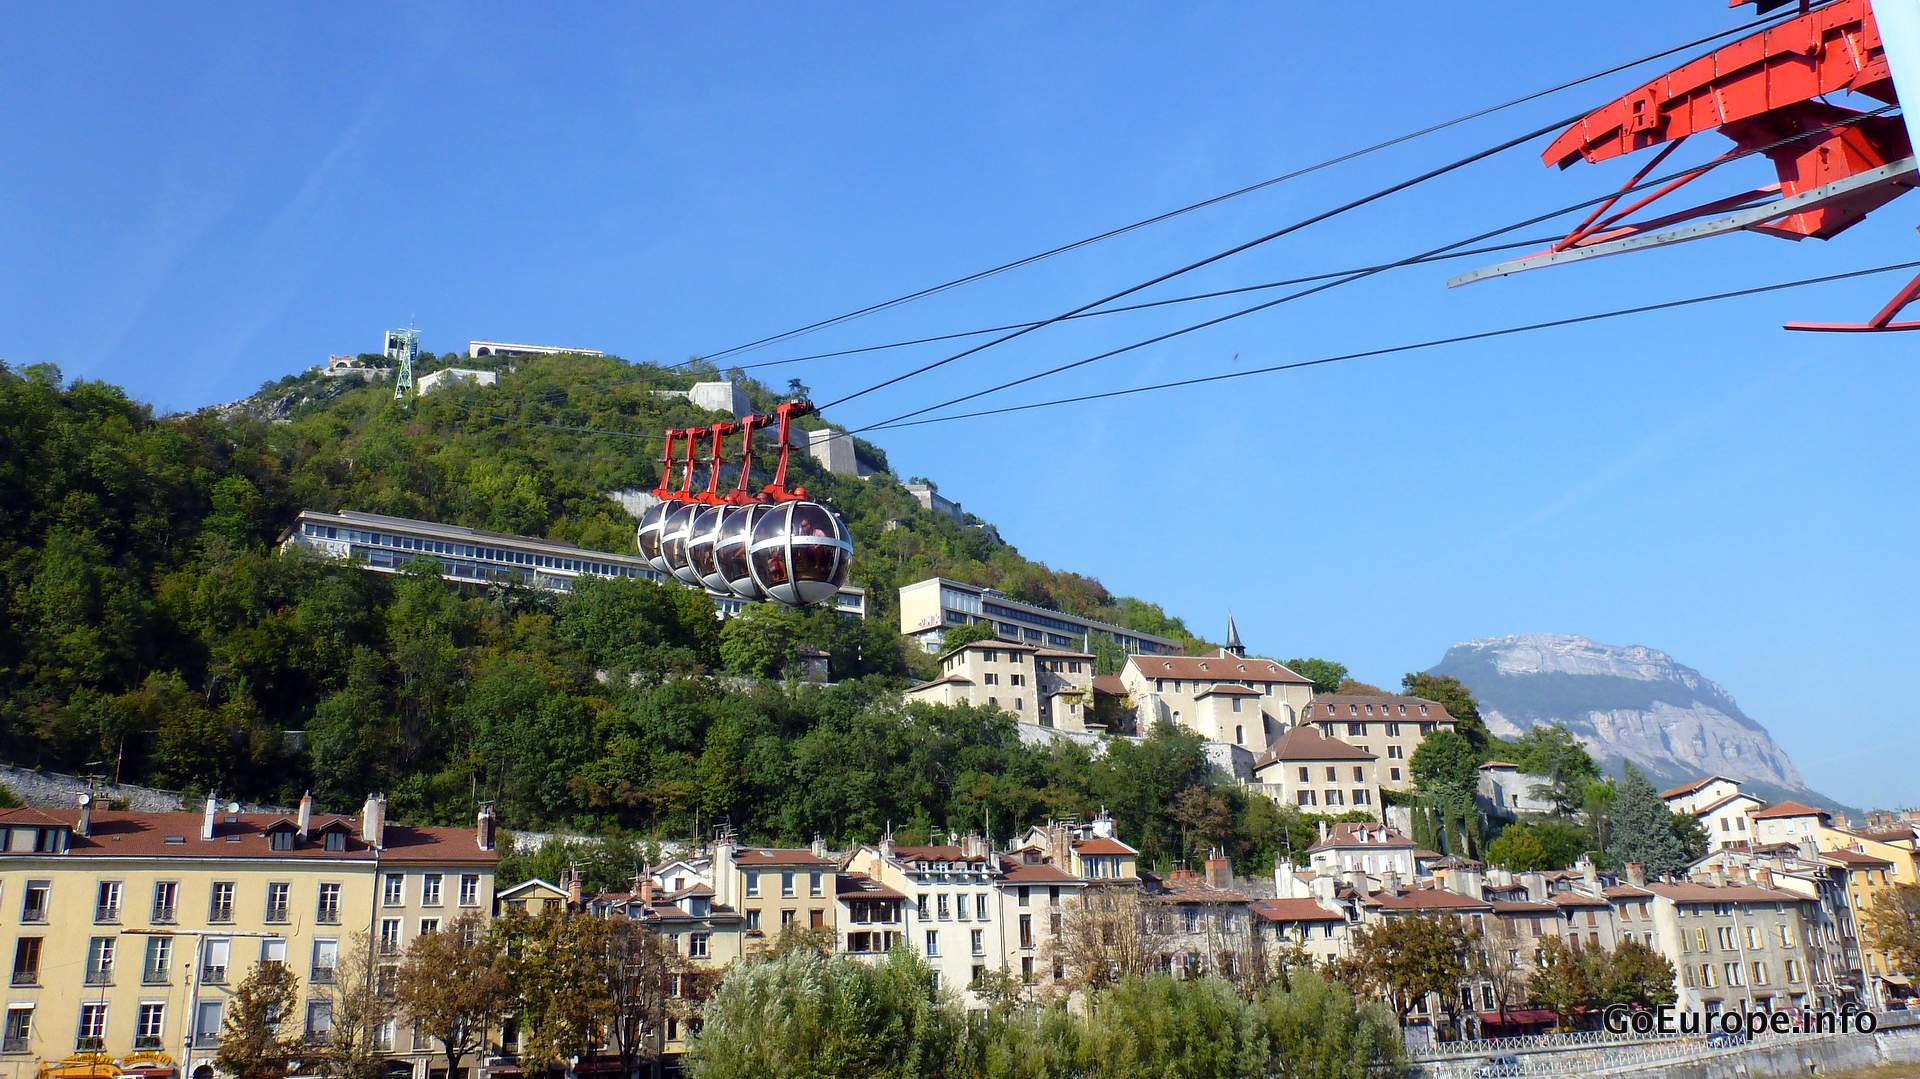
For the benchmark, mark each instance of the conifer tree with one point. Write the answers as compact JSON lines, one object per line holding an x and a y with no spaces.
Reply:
{"x":1643,"y":828}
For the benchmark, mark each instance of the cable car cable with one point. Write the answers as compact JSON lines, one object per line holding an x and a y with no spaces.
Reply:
{"x":1418,"y":345}
{"x":1249,"y":189}
{"x":1362,"y":274}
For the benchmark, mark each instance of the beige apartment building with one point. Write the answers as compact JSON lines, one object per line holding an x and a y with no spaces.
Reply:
{"x":129,"y":931}
{"x":775,"y":888}
{"x":1389,"y":727}
{"x":1735,"y":945}
{"x":1224,"y":696}
{"x":951,"y":914}
{"x":1318,"y":774}
{"x":988,"y":674}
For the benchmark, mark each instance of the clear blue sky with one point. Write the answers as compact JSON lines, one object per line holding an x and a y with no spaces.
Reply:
{"x":193,"y":202}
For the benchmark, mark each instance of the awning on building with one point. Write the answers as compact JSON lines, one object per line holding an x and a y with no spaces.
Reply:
{"x":81,"y":1066}
{"x":1519,"y":1016}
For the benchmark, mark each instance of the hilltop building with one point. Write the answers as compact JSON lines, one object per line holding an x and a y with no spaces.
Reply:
{"x":728,"y":397}
{"x":447,"y":376}
{"x":1043,"y":686}
{"x":383,"y":544}
{"x":1391,"y":726}
{"x":479,"y":350}
{"x":1225,"y":696}
{"x":928,"y":607}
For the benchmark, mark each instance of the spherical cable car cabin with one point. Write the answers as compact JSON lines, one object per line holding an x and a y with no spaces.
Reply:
{"x":800,"y":554}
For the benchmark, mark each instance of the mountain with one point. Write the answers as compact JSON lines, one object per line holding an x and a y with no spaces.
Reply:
{"x":1626,"y":703}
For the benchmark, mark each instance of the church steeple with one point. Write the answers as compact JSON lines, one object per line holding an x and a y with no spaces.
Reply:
{"x":1233,"y":639}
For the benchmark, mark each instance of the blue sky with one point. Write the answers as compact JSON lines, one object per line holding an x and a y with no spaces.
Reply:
{"x":194,"y":202}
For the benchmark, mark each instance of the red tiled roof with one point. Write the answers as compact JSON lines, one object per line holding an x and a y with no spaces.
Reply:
{"x":1216,"y":666}
{"x":1694,"y":892}
{"x":1511,"y":906}
{"x":1787,"y":809}
{"x":1625,"y":891}
{"x":1018,"y":872}
{"x":758,"y":856}
{"x":123,"y":834}
{"x":943,"y":680}
{"x":1854,"y":857}
{"x":1304,"y":742}
{"x":1227,"y":690}
{"x":1336,"y":706}
{"x":1426,"y":899}
{"x":861,"y":886}
{"x":1576,"y":899}
{"x":1109,"y":684}
{"x":1295,"y":910}
{"x":1102,"y":845}
{"x":1689,"y":788}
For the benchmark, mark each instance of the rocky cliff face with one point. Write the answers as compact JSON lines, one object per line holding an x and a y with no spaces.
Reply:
{"x":1632,"y":703}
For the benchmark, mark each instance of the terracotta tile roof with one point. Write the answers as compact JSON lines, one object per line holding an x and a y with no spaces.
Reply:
{"x":938,"y":852}
{"x":759,"y":856}
{"x":1109,"y":684}
{"x":1887,"y":835}
{"x":1787,"y":809}
{"x":1854,"y":857}
{"x":1426,"y":899}
{"x":1625,"y":891}
{"x":1351,"y":706}
{"x":1102,"y":845}
{"x":1304,"y":742}
{"x":1424,"y":854}
{"x":122,"y":834}
{"x":1514,"y":906}
{"x":1295,"y":910}
{"x":1695,"y":892}
{"x":1576,"y":899}
{"x":1227,"y":689}
{"x":1362,"y":834}
{"x":1014,"y":871}
{"x":1217,"y":667}
{"x":1734,"y":797}
{"x":1011,"y":646}
{"x":1063,"y":653}
{"x":861,"y":886}
{"x":1689,"y":788}
{"x":943,"y":680}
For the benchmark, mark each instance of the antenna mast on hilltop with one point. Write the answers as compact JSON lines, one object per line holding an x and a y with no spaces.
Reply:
{"x":403,"y":347}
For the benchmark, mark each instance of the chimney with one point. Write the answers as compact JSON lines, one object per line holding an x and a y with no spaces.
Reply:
{"x":975,"y":846}
{"x":212,"y":814}
{"x":1103,"y":827}
{"x":1536,"y":884}
{"x":1060,"y":845}
{"x":1809,"y":850}
{"x":306,"y":813}
{"x":725,"y":867}
{"x":1718,"y":875}
{"x":483,"y":826}
{"x":1283,"y":877}
{"x":1323,"y":829}
{"x":1590,"y":871}
{"x":886,"y":843}
{"x":373,"y":821}
{"x":573,"y":888}
{"x":1390,"y":882}
{"x":1358,"y":880}
{"x":1322,"y":887}
{"x":1637,"y":874}
{"x":1219,"y":870}
{"x":819,"y":847}
{"x":1763,"y":876}
{"x":644,"y":888}
{"x":84,"y":825}
{"x":1737,"y":872}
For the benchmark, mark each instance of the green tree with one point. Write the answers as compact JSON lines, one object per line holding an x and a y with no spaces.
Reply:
{"x":1563,"y":981}
{"x":1518,"y":848}
{"x":260,"y":1036}
{"x":1325,"y":674}
{"x":1643,"y":827}
{"x":1548,"y":749}
{"x":760,"y":640}
{"x":956,"y":636}
{"x":1453,"y":695}
{"x":1403,"y":958}
{"x":451,"y":983}
{"x":1692,"y":834}
{"x":1634,"y":973}
{"x":1892,"y":924}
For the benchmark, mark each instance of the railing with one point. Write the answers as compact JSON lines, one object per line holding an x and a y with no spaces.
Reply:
{"x":1527,"y":1043}
{"x":98,"y":976}
{"x":34,"y":915}
{"x":206,"y":1039}
{"x":154,"y":976}
{"x":145,"y":1041}
{"x":321,"y":976}
{"x":213,"y":975}
{"x":328,"y":916}
{"x":220,"y":912}
{"x":89,"y":1044}
{"x":163,"y":914}
{"x":389,"y":947}
{"x":26,"y":977}
{"x":13,"y":1044}
{"x":106,"y":914}
{"x":277,"y":914}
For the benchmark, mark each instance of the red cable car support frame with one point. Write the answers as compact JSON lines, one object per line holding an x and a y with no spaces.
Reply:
{"x":1766,"y":92}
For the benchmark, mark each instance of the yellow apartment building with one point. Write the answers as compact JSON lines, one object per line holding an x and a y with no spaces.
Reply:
{"x":127,"y":932}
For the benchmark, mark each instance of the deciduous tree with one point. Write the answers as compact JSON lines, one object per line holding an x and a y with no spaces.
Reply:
{"x":1893,"y":925}
{"x":450,"y":983}
{"x":1403,"y":958}
{"x":261,"y":1034}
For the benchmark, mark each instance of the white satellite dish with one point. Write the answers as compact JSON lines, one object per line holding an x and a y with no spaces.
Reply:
{"x":233,"y":807}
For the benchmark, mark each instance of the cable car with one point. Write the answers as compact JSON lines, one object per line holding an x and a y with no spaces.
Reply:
{"x":674,"y":538}
{"x":700,"y":547}
{"x":800,"y":554}
{"x":730,"y":550}
{"x":653,"y":522}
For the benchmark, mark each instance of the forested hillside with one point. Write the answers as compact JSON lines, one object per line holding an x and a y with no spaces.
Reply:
{"x":149,"y":631}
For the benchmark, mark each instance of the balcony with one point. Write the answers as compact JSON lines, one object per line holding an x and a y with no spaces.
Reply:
{"x":389,"y":947}
{"x":100,"y":977}
{"x":163,"y":914}
{"x":26,"y":977}
{"x":146,"y":1042}
{"x":328,"y":916}
{"x":277,"y":914}
{"x":89,"y":1044}
{"x":213,"y":975}
{"x":106,"y":915}
{"x":13,"y":1043}
{"x":220,"y":913}
{"x":321,"y":976}
{"x":34,"y":915}
{"x":154,"y":976}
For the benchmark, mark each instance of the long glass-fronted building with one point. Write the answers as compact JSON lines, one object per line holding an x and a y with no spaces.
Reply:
{"x":385,"y":544}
